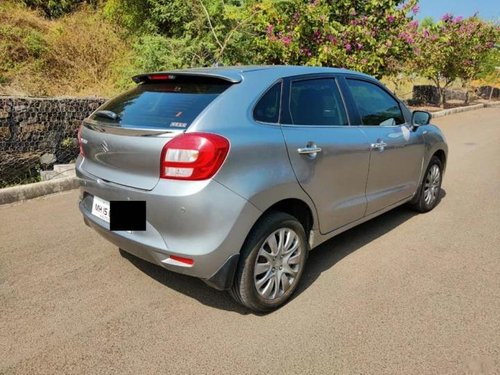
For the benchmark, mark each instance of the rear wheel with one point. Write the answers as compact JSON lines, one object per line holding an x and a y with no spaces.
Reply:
{"x":428,"y":194}
{"x":271,"y":264}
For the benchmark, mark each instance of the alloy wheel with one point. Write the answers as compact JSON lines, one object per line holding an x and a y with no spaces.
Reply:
{"x":432,"y":185}
{"x":278,"y":263}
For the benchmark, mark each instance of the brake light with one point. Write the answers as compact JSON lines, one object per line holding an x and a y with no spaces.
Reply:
{"x":79,"y":137}
{"x":193,"y":156}
{"x":161,"y":77}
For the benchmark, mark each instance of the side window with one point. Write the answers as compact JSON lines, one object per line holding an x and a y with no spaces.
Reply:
{"x":375,"y":106}
{"x":316,"y":102}
{"x":268,"y":107}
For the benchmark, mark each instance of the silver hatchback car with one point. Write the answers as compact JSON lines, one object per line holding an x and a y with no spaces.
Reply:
{"x":233,"y":174}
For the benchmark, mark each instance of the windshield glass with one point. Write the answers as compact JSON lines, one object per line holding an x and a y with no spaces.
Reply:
{"x":161,"y":105}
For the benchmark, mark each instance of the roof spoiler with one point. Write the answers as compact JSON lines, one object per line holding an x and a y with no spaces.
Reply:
{"x":228,"y":76}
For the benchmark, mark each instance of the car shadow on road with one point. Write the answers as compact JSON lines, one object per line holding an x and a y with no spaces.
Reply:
{"x":333,"y":251}
{"x":320,"y":259}
{"x":189,"y":286}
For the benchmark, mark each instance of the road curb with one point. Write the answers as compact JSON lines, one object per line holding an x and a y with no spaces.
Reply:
{"x":492,"y":105}
{"x":452,"y":111}
{"x":38,"y":189}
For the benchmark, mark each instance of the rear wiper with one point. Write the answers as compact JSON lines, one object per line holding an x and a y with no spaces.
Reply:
{"x":108,"y":114}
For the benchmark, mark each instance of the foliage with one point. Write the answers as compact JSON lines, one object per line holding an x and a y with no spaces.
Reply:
{"x":85,"y":47}
{"x":453,"y":48}
{"x":489,"y":72}
{"x":155,"y":52}
{"x":68,"y":143}
{"x":166,"y":17}
{"x":56,"y":8}
{"x":22,"y":42}
{"x":200,"y":32}
{"x":83,"y":57}
{"x":76,"y":54}
{"x":368,"y":36}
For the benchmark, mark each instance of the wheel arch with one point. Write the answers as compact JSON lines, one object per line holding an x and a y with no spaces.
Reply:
{"x":295,"y":207}
{"x":441,"y":155}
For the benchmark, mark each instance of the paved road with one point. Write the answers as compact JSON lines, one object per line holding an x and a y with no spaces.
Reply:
{"x":401,"y":294}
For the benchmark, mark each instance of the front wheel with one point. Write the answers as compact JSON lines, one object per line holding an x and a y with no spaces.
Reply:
{"x":271,"y":264}
{"x":428,"y":194}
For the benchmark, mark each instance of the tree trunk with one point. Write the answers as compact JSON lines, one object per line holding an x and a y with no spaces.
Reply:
{"x":442,"y":96}
{"x":442,"y":99}
{"x":466,"y":86}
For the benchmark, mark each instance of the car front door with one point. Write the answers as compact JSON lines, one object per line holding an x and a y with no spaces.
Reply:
{"x":396,"y":150}
{"x":329,"y":157}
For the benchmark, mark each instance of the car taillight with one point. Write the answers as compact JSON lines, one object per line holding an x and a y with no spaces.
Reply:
{"x":193,"y":156}
{"x":79,"y":137}
{"x":161,"y":77}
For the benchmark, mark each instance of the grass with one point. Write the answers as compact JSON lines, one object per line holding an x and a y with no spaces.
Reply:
{"x":81,"y":54}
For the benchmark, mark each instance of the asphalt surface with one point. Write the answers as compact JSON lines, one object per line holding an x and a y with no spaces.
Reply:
{"x":402,"y":294}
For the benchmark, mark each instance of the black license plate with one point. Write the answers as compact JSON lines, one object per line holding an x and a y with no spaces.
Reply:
{"x":127,"y":215}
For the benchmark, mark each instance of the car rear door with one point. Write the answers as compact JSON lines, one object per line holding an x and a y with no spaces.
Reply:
{"x":396,"y":151}
{"x":330,"y":159}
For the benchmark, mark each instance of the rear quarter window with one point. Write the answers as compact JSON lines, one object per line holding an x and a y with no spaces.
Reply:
{"x":268,"y":107}
{"x":162,"y":105}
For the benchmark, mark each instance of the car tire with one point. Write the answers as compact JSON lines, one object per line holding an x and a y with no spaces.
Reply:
{"x":429,"y":192}
{"x":271,"y":263}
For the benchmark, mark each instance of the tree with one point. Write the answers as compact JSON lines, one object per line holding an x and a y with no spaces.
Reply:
{"x":370,"y":36}
{"x":202,"y":32}
{"x":367,"y":35}
{"x":476,"y":46}
{"x":490,"y":69}
{"x":452,"y":48}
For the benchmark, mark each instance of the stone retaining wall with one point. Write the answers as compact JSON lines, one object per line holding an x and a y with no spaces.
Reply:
{"x":34,"y":127}
{"x":429,"y":94}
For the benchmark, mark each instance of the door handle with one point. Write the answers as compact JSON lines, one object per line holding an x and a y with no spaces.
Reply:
{"x":380,"y":145}
{"x":309,"y":150}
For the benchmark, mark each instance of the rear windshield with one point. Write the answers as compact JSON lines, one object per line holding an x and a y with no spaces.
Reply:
{"x":161,"y":105}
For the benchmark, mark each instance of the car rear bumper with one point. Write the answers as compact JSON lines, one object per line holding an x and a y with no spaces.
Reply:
{"x":201,"y":220}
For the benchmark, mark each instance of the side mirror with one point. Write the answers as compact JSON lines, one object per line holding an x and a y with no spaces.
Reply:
{"x":420,"y":118}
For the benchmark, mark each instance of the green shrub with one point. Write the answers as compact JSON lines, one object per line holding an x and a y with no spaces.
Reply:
{"x":56,"y":8}
{"x":35,"y":43}
{"x":155,"y":52}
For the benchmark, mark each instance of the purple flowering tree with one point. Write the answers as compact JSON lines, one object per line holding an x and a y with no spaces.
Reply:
{"x":372,"y":36}
{"x":452,"y":48}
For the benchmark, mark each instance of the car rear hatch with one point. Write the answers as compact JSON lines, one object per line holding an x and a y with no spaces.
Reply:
{"x":122,"y":140}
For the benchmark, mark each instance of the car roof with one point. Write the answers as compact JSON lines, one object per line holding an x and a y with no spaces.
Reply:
{"x":235,"y":74}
